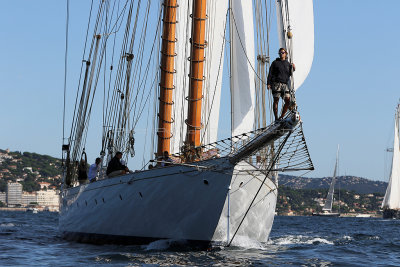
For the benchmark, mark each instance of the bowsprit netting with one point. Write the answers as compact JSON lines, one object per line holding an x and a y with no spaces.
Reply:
{"x":294,"y":155}
{"x":288,"y":152}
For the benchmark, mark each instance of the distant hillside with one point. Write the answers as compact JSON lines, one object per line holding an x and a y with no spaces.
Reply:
{"x":350,"y":183}
{"x":306,"y":201}
{"x":28,"y":169}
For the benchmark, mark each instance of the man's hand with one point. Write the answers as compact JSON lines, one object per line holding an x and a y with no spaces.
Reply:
{"x":269,"y":86}
{"x":294,"y":67}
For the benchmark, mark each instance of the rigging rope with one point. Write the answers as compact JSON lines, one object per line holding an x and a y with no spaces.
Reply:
{"x":81,"y":116}
{"x":78,"y":129}
{"x":80,"y":75}
{"x":65,"y":67}
{"x":261,"y":185}
{"x":120,"y":103}
{"x":244,"y":50}
{"x":216,"y":82}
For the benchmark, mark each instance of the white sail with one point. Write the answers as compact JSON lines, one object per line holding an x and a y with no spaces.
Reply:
{"x":392,"y":196}
{"x":242,"y":59}
{"x":215,"y":28}
{"x":298,"y":18}
{"x":329,"y":198}
{"x":215,"y":34}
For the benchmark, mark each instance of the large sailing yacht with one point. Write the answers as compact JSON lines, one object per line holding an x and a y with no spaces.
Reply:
{"x":212,"y":191}
{"x":391,"y":201}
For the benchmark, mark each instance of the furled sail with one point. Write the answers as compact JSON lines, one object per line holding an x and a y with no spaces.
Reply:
{"x":297,"y":17}
{"x":215,"y":34}
{"x":392,"y":196}
{"x":242,"y":58}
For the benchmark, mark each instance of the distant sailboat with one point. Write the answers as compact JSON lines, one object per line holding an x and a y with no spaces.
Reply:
{"x":391,"y":202}
{"x":327,"y":209}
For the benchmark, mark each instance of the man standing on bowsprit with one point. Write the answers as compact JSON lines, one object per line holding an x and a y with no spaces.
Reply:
{"x":278,"y":78}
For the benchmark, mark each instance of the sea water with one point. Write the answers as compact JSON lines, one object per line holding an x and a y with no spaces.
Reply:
{"x":28,"y":239}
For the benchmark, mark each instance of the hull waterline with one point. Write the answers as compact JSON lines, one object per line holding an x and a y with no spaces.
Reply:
{"x":391,"y":214}
{"x":332,"y":214}
{"x":178,"y":202}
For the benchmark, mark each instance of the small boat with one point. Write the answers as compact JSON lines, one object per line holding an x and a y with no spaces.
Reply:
{"x":391,"y":201}
{"x":327,"y":214}
{"x":360,"y":215}
{"x":327,"y":209}
{"x":33,"y":210}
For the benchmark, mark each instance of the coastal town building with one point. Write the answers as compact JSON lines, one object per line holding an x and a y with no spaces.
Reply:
{"x":44,"y":185}
{"x":28,"y":198}
{"x":48,"y":198}
{"x":3,"y":197}
{"x":4,"y":156}
{"x":28,"y":169}
{"x":14,"y":194}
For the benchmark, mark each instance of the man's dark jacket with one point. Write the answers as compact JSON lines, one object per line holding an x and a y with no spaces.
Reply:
{"x":279,"y":72}
{"x":114,"y":165}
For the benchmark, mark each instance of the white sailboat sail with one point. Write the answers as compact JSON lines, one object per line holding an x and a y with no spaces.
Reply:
{"x":242,"y":56}
{"x":215,"y":34}
{"x":329,"y":198}
{"x":298,"y":18}
{"x":392,"y":196}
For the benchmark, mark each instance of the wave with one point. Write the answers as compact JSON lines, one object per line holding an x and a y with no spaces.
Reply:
{"x":7,"y":225}
{"x":243,"y":242}
{"x":173,"y":245}
{"x":163,"y":244}
{"x":299,"y":239}
{"x":346,"y":237}
{"x":247,"y":243}
{"x":362,"y":236}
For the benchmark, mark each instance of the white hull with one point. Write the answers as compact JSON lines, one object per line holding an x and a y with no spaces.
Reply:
{"x":178,"y":202}
{"x":363,"y":215}
{"x":258,"y":222}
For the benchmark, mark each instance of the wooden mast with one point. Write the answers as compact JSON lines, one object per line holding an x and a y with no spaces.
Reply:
{"x":196,"y":72}
{"x":167,"y":77}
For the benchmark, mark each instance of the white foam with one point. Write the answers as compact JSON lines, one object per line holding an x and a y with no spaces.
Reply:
{"x":320,"y":240}
{"x":246,"y":242}
{"x":299,"y":239}
{"x":346,"y":237}
{"x":7,"y":225}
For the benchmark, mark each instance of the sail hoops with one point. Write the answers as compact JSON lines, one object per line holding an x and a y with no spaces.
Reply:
{"x":198,"y":44}
{"x":167,"y":77}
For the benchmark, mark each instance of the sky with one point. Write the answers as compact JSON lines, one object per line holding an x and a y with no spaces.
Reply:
{"x":348,"y":99}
